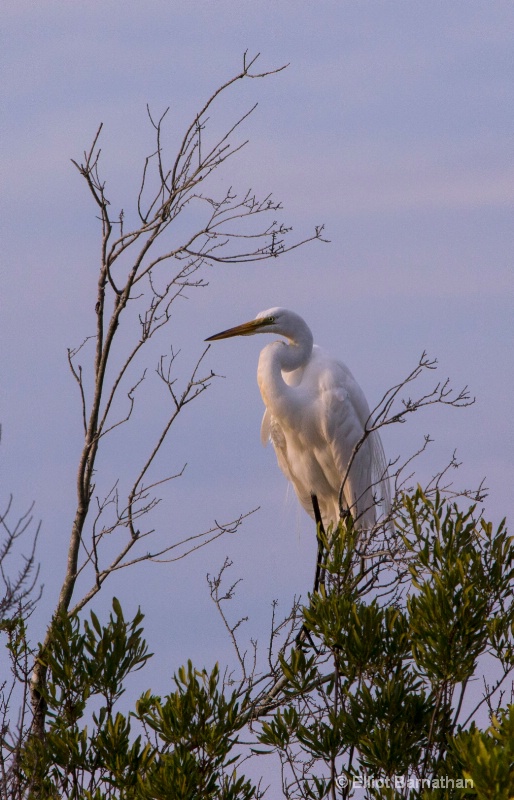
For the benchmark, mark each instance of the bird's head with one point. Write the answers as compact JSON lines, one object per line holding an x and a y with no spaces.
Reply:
{"x":265,"y":322}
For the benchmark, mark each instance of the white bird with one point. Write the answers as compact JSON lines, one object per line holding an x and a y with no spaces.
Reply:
{"x":316,"y":416}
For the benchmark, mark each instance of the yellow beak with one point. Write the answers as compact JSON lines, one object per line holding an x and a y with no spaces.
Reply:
{"x":246,"y":329}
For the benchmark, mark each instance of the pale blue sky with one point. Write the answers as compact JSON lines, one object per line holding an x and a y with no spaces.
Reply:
{"x":392,"y":125}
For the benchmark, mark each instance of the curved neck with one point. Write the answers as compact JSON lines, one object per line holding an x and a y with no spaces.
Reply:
{"x":277,"y":358}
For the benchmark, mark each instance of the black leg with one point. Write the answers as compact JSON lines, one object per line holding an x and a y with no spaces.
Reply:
{"x":320,"y":571}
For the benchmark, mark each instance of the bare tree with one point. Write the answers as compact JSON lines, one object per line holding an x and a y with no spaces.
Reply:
{"x":143,"y":271}
{"x":19,"y":592}
{"x":19,"y":574}
{"x":328,"y":665}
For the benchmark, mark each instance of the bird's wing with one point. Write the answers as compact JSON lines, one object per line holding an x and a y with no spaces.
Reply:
{"x":278,"y":439}
{"x":346,"y":417}
{"x":380,"y":473}
{"x":266,"y":428}
{"x":344,"y":432}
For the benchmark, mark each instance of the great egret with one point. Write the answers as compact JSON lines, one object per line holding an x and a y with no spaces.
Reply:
{"x":316,"y":415}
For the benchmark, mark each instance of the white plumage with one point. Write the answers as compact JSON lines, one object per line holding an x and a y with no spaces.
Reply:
{"x":316,"y":415}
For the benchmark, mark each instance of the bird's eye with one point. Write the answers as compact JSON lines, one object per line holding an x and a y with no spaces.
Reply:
{"x":271,"y":320}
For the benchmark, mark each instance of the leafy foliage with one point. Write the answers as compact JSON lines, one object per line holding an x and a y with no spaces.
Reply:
{"x":374,"y":688}
{"x":90,"y":749}
{"x":392,"y":648}
{"x":488,"y":757}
